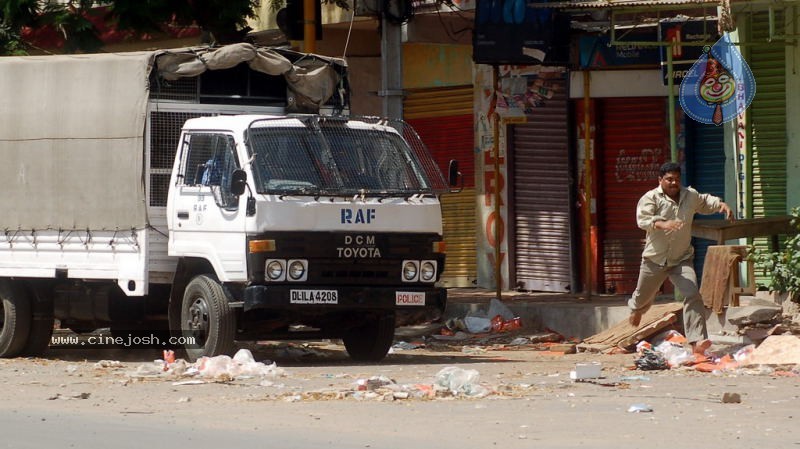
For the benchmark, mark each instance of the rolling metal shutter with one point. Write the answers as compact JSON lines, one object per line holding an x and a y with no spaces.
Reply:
{"x":705,"y":171}
{"x":443,"y":119}
{"x":634,"y":144}
{"x":541,"y":198}
{"x":767,"y":123}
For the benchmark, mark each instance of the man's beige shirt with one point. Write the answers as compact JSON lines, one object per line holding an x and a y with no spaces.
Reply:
{"x":670,"y":249}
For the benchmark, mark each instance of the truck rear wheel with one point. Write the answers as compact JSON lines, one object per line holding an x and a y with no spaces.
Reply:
{"x":42,"y":321}
{"x":39,"y":337}
{"x":207,"y":319}
{"x":15,"y":319}
{"x":370,"y":341}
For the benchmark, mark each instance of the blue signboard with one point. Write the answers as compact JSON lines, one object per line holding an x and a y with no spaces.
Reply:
{"x":597,"y":51}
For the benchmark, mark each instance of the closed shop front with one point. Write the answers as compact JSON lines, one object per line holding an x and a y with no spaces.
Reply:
{"x":767,"y":125}
{"x":443,"y":119}
{"x":541,"y":200}
{"x":705,"y":171}
{"x":633,"y":141}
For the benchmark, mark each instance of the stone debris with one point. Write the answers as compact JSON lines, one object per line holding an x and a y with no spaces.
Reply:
{"x":776,"y":350}
{"x":754,"y":314}
{"x":731,"y":398}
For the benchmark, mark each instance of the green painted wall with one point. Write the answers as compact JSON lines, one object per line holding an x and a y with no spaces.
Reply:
{"x":436,"y":65}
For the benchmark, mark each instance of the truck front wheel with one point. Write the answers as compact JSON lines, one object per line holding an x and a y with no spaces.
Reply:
{"x":208,"y":324}
{"x":15,"y":319}
{"x":371,"y":340}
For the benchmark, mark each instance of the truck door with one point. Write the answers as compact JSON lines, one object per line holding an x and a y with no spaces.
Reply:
{"x":208,"y":220}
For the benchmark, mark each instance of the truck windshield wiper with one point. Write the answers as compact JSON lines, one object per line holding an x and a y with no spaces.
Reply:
{"x":300,"y":190}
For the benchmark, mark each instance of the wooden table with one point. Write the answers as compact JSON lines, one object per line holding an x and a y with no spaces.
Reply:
{"x":723,"y":230}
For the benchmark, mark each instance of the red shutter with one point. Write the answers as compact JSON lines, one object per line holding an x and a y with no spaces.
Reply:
{"x":449,"y":138}
{"x":634,"y":143}
{"x":443,"y":120}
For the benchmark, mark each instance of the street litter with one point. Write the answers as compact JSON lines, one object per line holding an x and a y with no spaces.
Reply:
{"x":169,"y":356}
{"x":69,"y":396}
{"x":189,"y":382}
{"x":651,"y":360}
{"x":473,"y":350}
{"x":460,"y":381}
{"x":640,"y":408}
{"x":623,"y":335}
{"x":242,"y":365}
{"x":634,"y":379}
{"x":498,"y":318}
{"x":219,"y":368}
{"x":675,"y":354}
{"x":108,"y":364}
{"x":586,"y":371}
{"x":373,"y":383}
{"x":406,"y":346}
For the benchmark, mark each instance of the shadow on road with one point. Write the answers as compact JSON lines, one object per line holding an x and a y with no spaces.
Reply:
{"x":294,"y":354}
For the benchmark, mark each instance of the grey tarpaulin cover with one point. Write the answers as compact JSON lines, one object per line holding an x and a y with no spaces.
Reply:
{"x":72,"y":129}
{"x":312,"y":80}
{"x":71,"y":139}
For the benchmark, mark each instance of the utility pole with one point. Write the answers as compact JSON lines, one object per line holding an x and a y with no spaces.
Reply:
{"x":310,"y":26}
{"x":391,"y":68}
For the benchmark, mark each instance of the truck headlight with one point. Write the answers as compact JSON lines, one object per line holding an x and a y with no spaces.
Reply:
{"x":297,"y":270}
{"x":275,"y":270}
{"x":410,"y":270}
{"x":427,"y":270}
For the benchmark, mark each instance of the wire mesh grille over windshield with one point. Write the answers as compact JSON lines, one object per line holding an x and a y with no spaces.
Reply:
{"x":312,"y":155}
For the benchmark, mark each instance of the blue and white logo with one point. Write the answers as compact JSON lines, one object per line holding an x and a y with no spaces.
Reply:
{"x":719,"y":86}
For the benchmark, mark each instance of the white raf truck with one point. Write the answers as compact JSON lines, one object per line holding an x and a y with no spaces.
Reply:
{"x":175,"y":198}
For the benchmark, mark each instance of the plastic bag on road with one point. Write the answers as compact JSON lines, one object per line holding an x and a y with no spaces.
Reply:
{"x":242,"y":365}
{"x":675,"y":354}
{"x":651,"y":360}
{"x":477,"y":325}
{"x":460,"y":381}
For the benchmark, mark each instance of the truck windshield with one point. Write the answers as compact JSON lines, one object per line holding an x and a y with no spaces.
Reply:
{"x":314,"y":157}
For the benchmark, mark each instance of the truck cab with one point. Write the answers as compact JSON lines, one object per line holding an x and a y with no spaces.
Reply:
{"x":303,"y":226}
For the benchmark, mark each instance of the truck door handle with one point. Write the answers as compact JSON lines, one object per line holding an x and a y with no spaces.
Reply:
{"x":183,"y":215}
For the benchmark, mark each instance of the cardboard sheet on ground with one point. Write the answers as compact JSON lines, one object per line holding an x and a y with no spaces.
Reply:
{"x":623,"y":335}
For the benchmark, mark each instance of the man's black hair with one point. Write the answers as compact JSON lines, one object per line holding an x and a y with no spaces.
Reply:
{"x":669,"y":167}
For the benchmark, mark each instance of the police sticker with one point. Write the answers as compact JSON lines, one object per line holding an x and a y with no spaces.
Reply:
{"x":409,"y":298}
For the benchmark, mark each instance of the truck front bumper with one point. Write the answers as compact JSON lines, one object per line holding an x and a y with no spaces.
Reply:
{"x":409,"y":299}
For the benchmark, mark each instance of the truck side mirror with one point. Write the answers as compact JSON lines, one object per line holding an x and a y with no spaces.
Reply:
{"x":238,"y":182}
{"x":454,"y":177}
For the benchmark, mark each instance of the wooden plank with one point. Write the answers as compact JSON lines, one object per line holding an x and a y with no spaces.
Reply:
{"x":722,"y":230}
{"x":624,"y":335}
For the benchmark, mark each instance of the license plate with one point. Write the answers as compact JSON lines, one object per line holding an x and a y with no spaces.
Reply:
{"x":313,"y":296}
{"x":409,"y":298}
